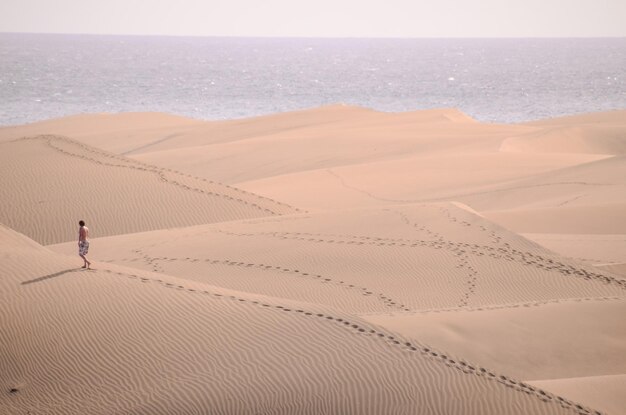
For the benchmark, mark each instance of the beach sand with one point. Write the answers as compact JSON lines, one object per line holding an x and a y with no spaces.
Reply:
{"x":327,"y":261}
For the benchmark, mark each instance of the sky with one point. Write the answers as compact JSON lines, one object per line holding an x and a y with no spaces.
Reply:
{"x":319,"y":18}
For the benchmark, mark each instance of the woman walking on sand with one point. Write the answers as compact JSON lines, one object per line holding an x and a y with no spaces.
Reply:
{"x":83,"y":243}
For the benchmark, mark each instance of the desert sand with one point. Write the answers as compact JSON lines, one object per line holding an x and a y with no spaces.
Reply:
{"x":327,"y":261}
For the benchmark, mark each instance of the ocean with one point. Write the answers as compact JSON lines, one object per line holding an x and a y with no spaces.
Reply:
{"x":493,"y":80}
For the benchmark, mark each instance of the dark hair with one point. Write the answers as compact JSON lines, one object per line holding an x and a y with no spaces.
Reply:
{"x":81,"y":223}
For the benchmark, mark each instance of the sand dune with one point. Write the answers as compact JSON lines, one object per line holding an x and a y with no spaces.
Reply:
{"x":598,"y":250}
{"x":415,"y":257}
{"x":603,"y":219}
{"x":365,"y":136}
{"x":336,"y":260}
{"x":590,"y":139}
{"x":52,"y":181}
{"x":165,"y":345}
{"x":585,"y":196}
{"x":112,"y":132}
{"x":128,"y":133}
{"x":533,"y":341}
{"x":602,"y":392}
{"x":618,"y":268}
{"x":597,"y":182}
{"x":423,"y":178}
{"x":275,"y":144}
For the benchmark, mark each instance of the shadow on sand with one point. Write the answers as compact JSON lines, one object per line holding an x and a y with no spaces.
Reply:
{"x":56,"y":274}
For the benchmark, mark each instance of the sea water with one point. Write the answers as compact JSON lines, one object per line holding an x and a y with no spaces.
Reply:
{"x":493,"y":80}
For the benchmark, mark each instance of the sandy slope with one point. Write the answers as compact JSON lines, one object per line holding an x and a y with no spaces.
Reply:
{"x":113,"y":132}
{"x":127,"y":341}
{"x":532,"y":341}
{"x":129,"y":133}
{"x":365,"y":136}
{"x":438,"y":272}
{"x":602,"y":392}
{"x":599,"y":135}
{"x":585,"y":199}
{"x":462,"y":176}
{"x":353,"y":157}
{"x":415,"y":257}
{"x":269,"y":294}
{"x":50,"y":182}
{"x":597,"y":249}
{"x":618,"y":268}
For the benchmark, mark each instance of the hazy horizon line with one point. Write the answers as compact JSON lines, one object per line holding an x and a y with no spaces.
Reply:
{"x":308,"y":37}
